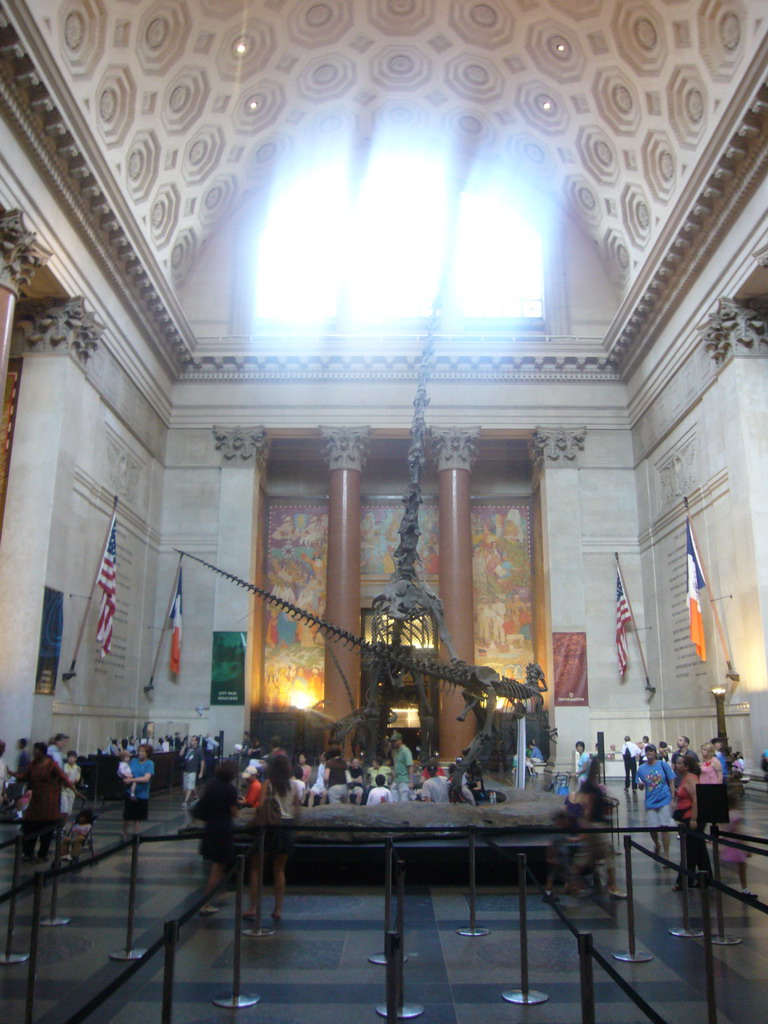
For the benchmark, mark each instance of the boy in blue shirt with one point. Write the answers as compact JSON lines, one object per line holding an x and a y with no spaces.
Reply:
{"x":658,"y":781}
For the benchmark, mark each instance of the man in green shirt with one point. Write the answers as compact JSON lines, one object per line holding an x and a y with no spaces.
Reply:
{"x":402,"y":760}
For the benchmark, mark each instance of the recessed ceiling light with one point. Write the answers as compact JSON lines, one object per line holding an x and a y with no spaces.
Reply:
{"x":253,"y":105}
{"x":241,"y":47}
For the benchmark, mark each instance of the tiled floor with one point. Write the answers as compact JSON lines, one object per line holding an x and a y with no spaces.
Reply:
{"x":314,"y":970}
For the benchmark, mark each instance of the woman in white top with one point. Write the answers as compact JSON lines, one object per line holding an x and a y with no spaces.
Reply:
{"x":281,"y":786}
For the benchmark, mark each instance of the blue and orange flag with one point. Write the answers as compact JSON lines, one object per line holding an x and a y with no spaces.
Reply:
{"x":696,"y":583}
{"x":175,"y":618}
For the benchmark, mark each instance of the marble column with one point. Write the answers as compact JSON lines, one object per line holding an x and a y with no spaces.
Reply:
{"x":555,"y":455}
{"x":244,"y":452}
{"x":18,"y":260}
{"x":345,"y":451}
{"x":736,"y":338}
{"x":455,"y":450}
{"x":54,"y":419}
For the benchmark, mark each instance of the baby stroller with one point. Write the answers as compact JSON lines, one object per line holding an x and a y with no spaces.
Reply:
{"x":560,"y":784}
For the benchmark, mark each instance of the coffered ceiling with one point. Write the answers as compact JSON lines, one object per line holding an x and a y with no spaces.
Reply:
{"x":185,"y":109}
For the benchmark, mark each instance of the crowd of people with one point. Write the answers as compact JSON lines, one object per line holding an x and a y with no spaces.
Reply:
{"x":670,"y":782}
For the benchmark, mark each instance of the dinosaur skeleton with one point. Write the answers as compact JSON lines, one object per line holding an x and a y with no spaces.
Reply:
{"x":405,"y":609}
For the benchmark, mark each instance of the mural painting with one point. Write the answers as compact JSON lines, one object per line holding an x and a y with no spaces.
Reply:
{"x":379,"y":538}
{"x":501,"y":570}
{"x":297,"y":542}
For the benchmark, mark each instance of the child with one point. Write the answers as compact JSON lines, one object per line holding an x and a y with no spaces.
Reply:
{"x":729,"y":854}
{"x":124,"y":771}
{"x":380,"y":794}
{"x":74,"y":774}
{"x":72,"y":843}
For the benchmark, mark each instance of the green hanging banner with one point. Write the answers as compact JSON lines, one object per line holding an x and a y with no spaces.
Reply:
{"x":228,"y":669}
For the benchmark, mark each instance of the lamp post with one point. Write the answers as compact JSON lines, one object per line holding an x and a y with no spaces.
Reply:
{"x":719,"y":692}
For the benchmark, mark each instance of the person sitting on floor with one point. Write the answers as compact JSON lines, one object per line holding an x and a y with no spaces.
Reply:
{"x":379,"y":794}
{"x":73,"y":842}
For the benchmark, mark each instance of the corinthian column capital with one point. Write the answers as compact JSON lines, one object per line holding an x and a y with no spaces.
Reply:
{"x":19,"y":253}
{"x":556,"y":446}
{"x":736,"y":328}
{"x":57,"y":325}
{"x":454,"y":447}
{"x":345,"y":447}
{"x":240,"y":445}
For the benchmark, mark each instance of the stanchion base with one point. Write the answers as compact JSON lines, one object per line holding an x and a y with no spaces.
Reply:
{"x":529,"y":998}
{"x":406,"y":1012}
{"x":234,"y":1002}
{"x":54,"y":922}
{"x":633,"y":958}
{"x":20,"y":958}
{"x":381,"y":959}
{"x":686,"y":933}
{"x":258,"y":933}
{"x":473,"y":932}
{"x":130,"y":954}
{"x":726,"y":940}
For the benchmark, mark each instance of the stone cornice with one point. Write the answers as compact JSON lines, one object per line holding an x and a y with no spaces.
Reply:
{"x":737,"y":171}
{"x":33,"y":115}
{"x":567,"y":369}
{"x":56,"y":325}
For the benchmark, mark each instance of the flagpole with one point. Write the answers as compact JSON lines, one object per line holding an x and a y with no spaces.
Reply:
{"x":151,"y":684}
{"x":649,"y":688}
{"x":732,"y":674}
{"x":69,"y":675}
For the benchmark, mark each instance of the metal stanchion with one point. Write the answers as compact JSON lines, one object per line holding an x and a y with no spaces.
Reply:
{"x":471,"y":930}
{"x":686,"y":932}
{"x":396,"y":959}
{"x":721,"y":939}
{"x":129,"y":953}
{"x":170,"y":938}
{"x":34,"y":938}
{"x":10,"y":957}
{"x":236,"y":1000}
{"x":524,"y":995}
{"x":709,"y":962}
{"x":257,"y":932}
{"x":381,"y":958}
{"x":631,"y":956}
{"x":52,"y":921}
{"x":586,"y":980}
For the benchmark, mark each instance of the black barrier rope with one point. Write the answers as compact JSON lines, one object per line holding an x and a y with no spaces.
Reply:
{"x":738,"y":845}
{"x":627,"y":989}
{"x":749,"y":901}
{"x":745,"y":839}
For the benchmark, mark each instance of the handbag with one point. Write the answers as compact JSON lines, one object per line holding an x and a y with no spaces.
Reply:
{"x":268,"y":812}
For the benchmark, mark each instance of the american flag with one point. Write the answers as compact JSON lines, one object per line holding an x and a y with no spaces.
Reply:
{"x":107,"y":585}
{"x":623,"y":616}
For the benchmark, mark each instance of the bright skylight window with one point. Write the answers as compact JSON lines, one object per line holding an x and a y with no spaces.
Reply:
{"x":381,"y":253}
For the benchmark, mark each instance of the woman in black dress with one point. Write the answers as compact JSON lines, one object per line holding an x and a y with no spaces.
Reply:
{"x":217,"y":807}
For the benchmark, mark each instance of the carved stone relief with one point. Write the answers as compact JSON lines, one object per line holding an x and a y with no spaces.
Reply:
{"x":345,"y":447}
{"x":240,"y":445}
{"x":17,"y":245}
{"x":454,"y":447}
{"x":677,"y":473}
{"x":736,"y":328}
{"x":553,"y":447}
{"x":124,"y":472}
{"x":57,"y":325}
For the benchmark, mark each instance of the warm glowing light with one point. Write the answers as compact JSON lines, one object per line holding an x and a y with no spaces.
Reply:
{"x":241,"y":47}
{"x":719,"y":691}
{"x":253,"y":105}
{"x":301,"y":700}
{"x":546,"y":104}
